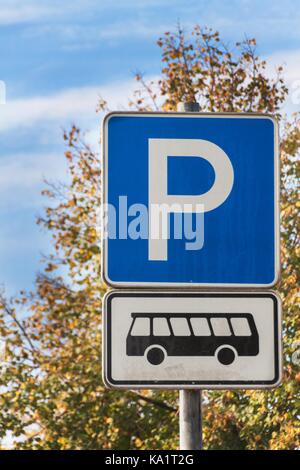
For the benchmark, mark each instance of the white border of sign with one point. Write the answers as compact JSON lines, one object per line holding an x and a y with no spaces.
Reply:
{"x":104,"y":264}
{"x":162,"y":385}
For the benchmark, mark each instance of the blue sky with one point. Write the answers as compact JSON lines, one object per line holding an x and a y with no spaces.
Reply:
{"x":57,"y":57}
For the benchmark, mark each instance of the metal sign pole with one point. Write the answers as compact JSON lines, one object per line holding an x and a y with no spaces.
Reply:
{"x":190,"y":412}
{"x":190,"y":420}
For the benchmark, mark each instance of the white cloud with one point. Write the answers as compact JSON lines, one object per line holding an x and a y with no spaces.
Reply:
{"x":19,"y":11}
{"x":22,"y":178}
{"x":290,"y":61}
{"x":30,"y":111}
{"x":82,"y":36}
{"x":70,"y":104}
{"x":75,"y":104}
{"x":27,"y":11}
{"x":30,"y":11}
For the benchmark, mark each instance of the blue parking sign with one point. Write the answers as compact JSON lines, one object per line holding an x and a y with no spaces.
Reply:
{"x":190,"y":200}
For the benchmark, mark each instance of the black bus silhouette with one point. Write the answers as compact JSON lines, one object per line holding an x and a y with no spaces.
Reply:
{"x":225,"y":336}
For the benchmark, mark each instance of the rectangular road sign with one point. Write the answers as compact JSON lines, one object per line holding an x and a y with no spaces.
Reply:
{"x":192,"y":340}
{"x":190,"y":200}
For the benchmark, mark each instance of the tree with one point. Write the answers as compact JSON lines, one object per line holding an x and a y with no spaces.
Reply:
{"x":53,"y":396}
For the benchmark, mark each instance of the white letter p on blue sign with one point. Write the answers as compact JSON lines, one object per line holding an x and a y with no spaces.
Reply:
{"x":161,"y":204}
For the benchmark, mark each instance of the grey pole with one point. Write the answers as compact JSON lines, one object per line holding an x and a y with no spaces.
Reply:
{"x":190,"y":413}
{"x":188,"y":107}
{"x":190,"y":420}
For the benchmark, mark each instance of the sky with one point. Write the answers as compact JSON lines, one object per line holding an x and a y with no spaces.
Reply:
{"x":59,"y":57}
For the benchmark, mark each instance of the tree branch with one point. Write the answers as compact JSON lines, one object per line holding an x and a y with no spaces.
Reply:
{"x":154,"y":402}
{"x":19,"y":324}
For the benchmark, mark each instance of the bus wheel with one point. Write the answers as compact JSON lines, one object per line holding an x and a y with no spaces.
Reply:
{"x":226,"y":356}
{"x":155,"y":356}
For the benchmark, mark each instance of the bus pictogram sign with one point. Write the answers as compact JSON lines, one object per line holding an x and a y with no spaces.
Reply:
{"x":171,"y":340}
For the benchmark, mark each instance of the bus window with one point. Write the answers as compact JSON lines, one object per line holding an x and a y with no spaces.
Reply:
{"x":141,"y":327}
{"x":200,"y":327}
{"x":180,"y":327}
{"x":240,"y":326}
{"x":220,"y":326}
{"x":161,"y":327}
